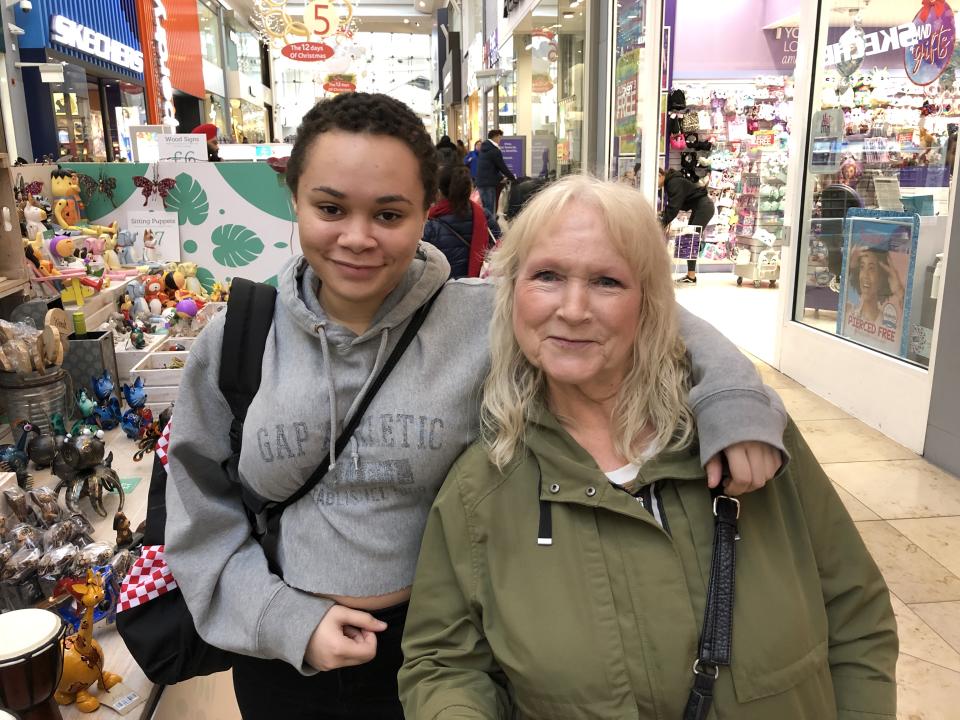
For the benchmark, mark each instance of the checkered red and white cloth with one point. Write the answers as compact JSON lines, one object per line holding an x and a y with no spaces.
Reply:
{"x":149,"y":578}
{"x":164,"y":442}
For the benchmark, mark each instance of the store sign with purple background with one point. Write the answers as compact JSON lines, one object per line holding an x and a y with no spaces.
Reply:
{"x":514,"y":148}
{"x":927,"y":60}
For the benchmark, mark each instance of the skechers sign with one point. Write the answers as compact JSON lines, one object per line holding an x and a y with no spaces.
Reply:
{"x":857,"y":45}
{"x":67,"y":32}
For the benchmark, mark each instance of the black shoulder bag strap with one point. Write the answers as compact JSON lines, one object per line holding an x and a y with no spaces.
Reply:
{"x":265,"y":514}
{"x":716,"y":638}
{"x":453,"y":230}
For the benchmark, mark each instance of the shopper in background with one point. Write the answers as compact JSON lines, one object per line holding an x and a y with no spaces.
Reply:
{"x":472,"y":159}
{"x":213,"y":144}
{"x":491,"y":170}
{"x":461,"y":148}
{"x":447,"y":153}
{"x":546,"y":590}
{"x":320,"y":638}
{"x":462,"y":230}
{"x":682,"y":195}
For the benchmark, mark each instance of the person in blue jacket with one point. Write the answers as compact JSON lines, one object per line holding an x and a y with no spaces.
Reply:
{"x":458,"y":227}
{"x":472,"y":159}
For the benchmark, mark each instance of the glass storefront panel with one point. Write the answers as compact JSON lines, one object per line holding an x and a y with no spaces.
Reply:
{"x":548,"y":81}
{"x":628,"y":106}
{"x":209,"y":34}
{"x":71,"y":108}
{"x":215,"y":111}
{"x":879,"y":169}
{"x":249,"y":122}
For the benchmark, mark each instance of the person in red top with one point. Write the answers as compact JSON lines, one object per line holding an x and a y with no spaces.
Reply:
{"x":461,"y":229}
{"x":213,"y":144}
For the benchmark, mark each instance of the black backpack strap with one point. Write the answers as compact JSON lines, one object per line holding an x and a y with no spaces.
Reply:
{"x":249,"y":319}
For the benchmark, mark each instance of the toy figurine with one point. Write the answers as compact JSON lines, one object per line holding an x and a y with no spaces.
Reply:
{"x":110,"y":257}
{"x":84,"y":472}
{"x":153,"y":294}
{"x":107,"y":412}
{"x":137,"y":338}
{"x":13,"y":458}
{"x":86,"y":407}
{"x":133,"y":419}
{"x":82,"y":656}
{"x":190,"y":281}
{"x":61,"y":248}
{"x":125,"y":243}
{"x":137,"y":291}
{"x":41,"y":449}
{"x":34,"y":216}
{"x":95,"y":247}
{"x":151,"y":251}
{"x":122,"y":526}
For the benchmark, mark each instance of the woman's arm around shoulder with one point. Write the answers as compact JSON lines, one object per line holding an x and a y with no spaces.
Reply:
{"x":449,"y":670}
{"x":735,"y":411}
{"x":236,"y":602}
{"x":863,"y":645}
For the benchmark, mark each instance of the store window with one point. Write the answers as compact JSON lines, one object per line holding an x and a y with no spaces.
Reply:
{"x":215,"y":111}
{"x":249,"y":122}
{"x":209,"y":34}
{"x":71,"y":108}
{"x":879,"y":169}
{"x":548,"y":51}
{"x":628,"y":106}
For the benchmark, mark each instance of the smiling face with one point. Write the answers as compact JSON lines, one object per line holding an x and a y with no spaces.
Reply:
{"x":577,"y":306}
{"x":361,"y":209}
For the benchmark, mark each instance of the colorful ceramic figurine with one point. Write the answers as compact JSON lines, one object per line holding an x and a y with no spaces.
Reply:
{"x":125,"y":243}
{"x":137,"y":295}
{"x":107,"y":413}
{"x":153,"y":294}
{"x":34,"y":216}
{"x":13,"y":458}
{"x":137,"y":338}
{"x":95,"y":247}
{"x":133,"y":419}
{"x":82,"y":656}
{"x":191,"y":282}
{"x":86,"y":407}
{"x":61,"y":248}
{"x":110,"y":257}
{"x":151,"y":247}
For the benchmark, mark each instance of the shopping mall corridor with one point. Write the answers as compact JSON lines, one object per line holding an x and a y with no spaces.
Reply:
{"x":908,"y":513}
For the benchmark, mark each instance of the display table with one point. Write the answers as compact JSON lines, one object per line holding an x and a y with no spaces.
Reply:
{"x":118,"y":660}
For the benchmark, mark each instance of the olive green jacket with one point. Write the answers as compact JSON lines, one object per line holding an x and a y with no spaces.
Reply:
{"x":604,"y":623}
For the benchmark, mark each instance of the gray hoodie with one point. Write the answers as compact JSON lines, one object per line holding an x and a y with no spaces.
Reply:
{"x":358,"y":532}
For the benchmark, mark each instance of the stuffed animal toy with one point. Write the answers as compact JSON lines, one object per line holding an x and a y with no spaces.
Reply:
{"x":153,"y":294}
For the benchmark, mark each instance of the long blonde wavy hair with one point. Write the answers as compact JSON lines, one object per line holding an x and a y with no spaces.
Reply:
{"x":654,"y":391}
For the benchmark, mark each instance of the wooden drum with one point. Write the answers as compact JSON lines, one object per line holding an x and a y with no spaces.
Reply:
{"x":31,"y":662}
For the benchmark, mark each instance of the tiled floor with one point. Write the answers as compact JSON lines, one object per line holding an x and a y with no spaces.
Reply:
{"x":908,"y":513}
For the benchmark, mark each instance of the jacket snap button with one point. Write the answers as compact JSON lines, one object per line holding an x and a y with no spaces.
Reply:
{"x":555,"y":488}
{"x":591,"y":491}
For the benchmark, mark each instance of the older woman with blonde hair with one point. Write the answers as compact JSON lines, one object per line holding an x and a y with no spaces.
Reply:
{"x":575,"y":566}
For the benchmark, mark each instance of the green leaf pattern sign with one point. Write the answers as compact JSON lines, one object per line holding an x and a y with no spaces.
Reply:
{"x":235,"y":220}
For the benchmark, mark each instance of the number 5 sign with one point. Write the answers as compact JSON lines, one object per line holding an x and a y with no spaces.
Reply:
{"x":323,"y":17}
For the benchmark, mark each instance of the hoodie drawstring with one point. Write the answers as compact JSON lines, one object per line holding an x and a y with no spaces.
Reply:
{"x":331,"y":392}
{"x":328,"y":371}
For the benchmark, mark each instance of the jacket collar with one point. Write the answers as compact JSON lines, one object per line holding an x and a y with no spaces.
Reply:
{"x":560,"y":457}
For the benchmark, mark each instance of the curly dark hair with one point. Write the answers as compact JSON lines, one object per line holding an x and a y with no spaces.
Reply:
{"x":883,"y":289}
{"x":370,"y":113}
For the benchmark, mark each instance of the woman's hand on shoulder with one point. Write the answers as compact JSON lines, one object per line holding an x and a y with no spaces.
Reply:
{"x":345,"y":637}
{"x":751,"y":465}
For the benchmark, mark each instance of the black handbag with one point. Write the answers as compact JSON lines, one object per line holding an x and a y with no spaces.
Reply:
{"x":153,"y":618}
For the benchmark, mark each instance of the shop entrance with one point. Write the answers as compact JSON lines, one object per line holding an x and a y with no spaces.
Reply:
{"x":728,"y":78}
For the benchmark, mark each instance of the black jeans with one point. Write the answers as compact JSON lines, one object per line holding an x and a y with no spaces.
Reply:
{"x":273,"y":690}
{"x":702,"y":214}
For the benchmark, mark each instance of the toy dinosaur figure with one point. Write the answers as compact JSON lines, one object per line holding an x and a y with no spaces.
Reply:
{"x":82,"y":656}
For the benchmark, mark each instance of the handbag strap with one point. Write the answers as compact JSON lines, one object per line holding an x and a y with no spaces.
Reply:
{"x":716,"y":638}
{"x":453,"y":230}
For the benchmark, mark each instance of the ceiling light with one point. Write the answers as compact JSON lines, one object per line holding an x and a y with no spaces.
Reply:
{"x":422,"y":4}
{"x":406,"y":21}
